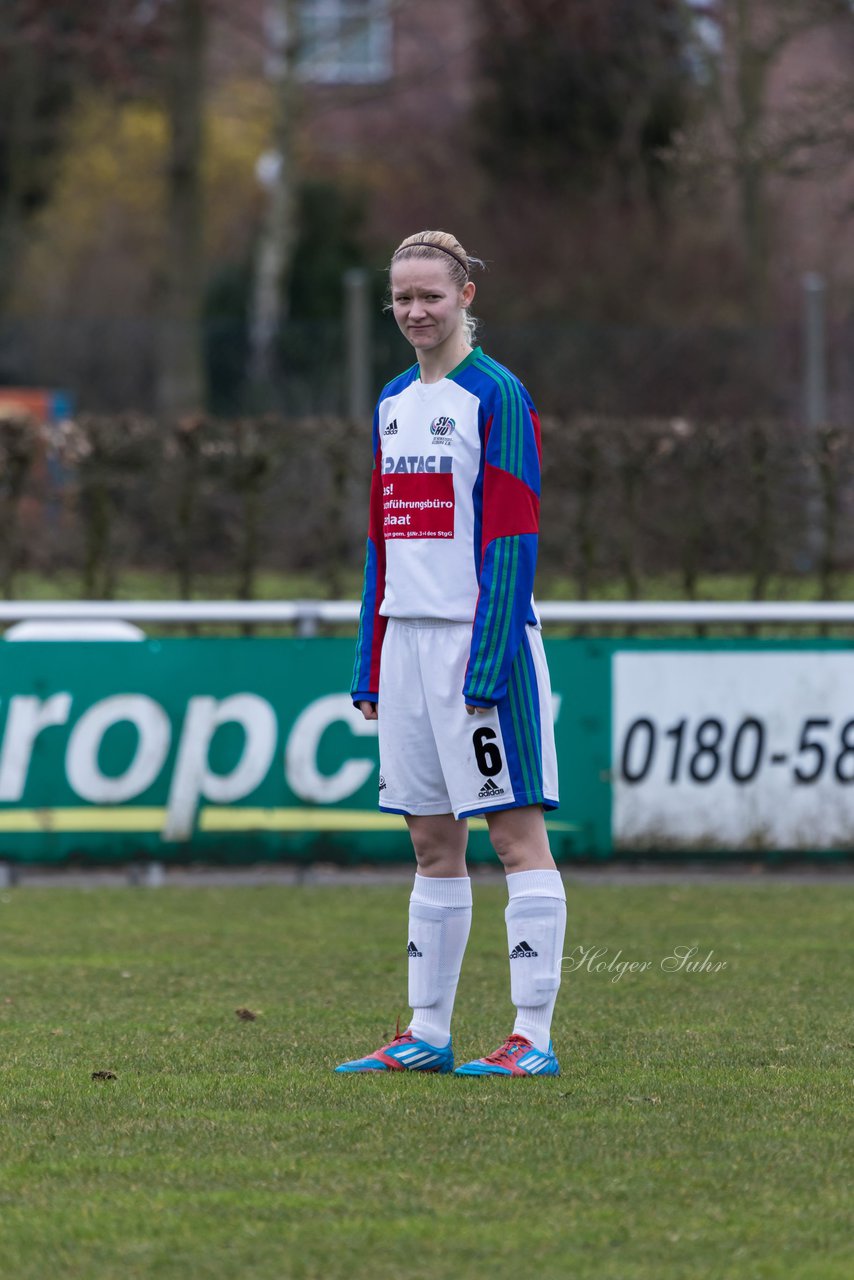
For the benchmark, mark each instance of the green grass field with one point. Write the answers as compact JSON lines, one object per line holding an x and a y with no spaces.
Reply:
{"x":699,"y":1129}
{"x":270,"y":584}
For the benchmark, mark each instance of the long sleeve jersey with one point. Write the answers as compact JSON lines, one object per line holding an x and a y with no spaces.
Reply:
{"x":454,"y":517}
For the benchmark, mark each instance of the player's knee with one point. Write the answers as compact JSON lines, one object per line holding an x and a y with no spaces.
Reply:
{"x":428,"y":855}
{"x":435,"y":859}
{"x":509,"y":836}
{"x":439,"y":849}
{"x":519,"y":838}
{"x":520,"y":850}
{"x":512,"y":851}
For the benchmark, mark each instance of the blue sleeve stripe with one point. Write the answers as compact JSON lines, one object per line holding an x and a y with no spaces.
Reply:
{"x":494,"y":566}
{"x":361,"y":633}
{"x":490,"y":655}
{"x":506,"y":570}
{"x":512,"y":433}
{"x":507,"y":588}
{"x":367,"y":622}
{"x":523,"y":458}
{"x":508,"y":579}
{"x":489,"y":570}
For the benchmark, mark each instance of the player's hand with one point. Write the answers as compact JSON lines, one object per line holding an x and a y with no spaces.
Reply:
{"x":369,"y":710}
{"x":471,"y":711}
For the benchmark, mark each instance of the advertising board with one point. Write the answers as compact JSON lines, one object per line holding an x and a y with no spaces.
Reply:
{"x":241,"y":749}
{"x":737,"y":747}
{"x":249,"y":749}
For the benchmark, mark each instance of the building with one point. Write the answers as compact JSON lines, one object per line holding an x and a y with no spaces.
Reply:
{"x":385,"y":88}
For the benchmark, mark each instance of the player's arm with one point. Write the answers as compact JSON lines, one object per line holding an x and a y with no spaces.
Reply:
{"x":510,"y":525}
{"x":364,"y":689}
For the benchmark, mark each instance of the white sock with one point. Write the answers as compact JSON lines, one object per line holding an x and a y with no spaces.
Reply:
{"x":536,"y":924}
{"x":439,"y":923}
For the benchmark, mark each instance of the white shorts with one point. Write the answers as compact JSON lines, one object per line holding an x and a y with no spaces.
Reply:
{"x":434,"y":757}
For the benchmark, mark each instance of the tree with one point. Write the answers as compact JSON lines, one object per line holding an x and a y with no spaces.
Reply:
{"x":278,"y":229}
{"x":746,"y":139}
{"x":48,"y":53}
{"x":578,"y":105}
{"x":572,"y":94}
{"x":181,"y":382}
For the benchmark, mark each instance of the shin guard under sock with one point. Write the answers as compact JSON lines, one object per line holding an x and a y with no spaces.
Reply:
{"x":439,"y":923}
{"x":536,"y":924}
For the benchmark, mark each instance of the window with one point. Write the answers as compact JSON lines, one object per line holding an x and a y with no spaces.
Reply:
{"x":345,"y":41}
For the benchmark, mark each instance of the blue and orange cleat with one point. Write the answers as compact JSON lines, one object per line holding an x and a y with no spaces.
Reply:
{"x":516,"y":1057}
{"x":405,"y":1053}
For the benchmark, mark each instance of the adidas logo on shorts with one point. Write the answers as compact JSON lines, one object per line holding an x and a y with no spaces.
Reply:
{"x":524,"y":951}
{"x":413,"y":952}
{"x":488,"y":790}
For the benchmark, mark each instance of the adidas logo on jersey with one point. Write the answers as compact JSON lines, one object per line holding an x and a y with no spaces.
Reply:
{"x":488,"y":790}
{"x":413,"y":952}
{"x":391,"y":429}
{"x":524,"y":951}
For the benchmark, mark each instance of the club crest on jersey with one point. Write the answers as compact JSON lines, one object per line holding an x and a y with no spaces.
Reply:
{"x":442,"y":429}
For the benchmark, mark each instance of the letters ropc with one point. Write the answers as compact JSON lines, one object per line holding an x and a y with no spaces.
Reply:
{"x":173,"y":753}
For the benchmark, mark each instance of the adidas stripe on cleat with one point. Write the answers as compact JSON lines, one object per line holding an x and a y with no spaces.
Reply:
{"x":516,"y":1057}
{"x":405,"y":1053}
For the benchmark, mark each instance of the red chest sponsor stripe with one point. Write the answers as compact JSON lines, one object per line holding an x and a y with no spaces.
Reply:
{"x":418,"y":506}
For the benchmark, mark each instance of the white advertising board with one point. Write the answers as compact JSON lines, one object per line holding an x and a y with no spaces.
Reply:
{"x":733,"y":749}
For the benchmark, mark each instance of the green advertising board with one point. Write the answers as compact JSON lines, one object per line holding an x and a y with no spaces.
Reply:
{"x":232,"y":749}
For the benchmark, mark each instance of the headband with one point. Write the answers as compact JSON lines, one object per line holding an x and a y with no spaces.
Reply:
{"x":426,"y":244}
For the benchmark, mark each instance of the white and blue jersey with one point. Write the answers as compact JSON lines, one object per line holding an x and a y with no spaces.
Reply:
{"x":452,"y":540}
{"x":455,"y":498}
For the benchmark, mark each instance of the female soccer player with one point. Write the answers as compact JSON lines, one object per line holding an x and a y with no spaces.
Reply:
{"x":450,"y":660}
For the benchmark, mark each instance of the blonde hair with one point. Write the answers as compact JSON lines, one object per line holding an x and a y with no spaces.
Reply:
{"x":441,"y":246}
